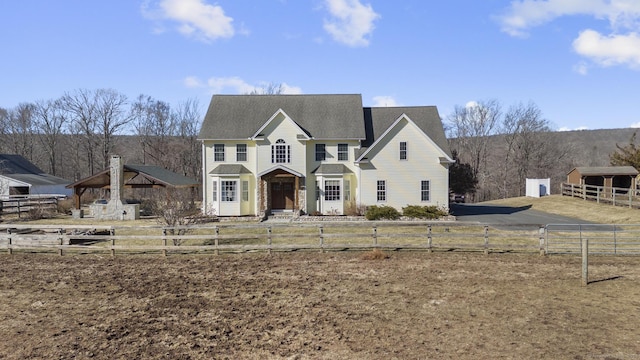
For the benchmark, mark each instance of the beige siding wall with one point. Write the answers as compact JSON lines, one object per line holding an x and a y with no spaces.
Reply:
{"x":285,"y":129}
{"x":331,"y":149}
{"x":229,"y":208}
{"x":403,"y":177}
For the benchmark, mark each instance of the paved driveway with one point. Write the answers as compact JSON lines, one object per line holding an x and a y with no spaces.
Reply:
{"x":512,"y":217}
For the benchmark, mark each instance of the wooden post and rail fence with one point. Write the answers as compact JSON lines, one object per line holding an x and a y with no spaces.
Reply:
{"x":414,"y":236}
{"x":603,"y":195}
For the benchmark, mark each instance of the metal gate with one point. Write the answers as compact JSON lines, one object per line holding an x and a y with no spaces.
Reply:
{"x":623,"y":239}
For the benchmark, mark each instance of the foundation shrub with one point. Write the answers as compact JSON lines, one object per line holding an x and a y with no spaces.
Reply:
{"x":423,"y":212}
{"x":382,"y":213}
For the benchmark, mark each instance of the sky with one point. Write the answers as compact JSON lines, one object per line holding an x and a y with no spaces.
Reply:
{"x":577,"y":60}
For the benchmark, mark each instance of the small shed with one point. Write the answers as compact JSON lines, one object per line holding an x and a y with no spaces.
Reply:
{"x":621,"y":177}
{"x":538,"y":187}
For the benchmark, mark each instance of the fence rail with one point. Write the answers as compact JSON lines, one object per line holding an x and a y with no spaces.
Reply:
{"x":216,"y":239}
{"x":18,"y":204}
{"x":603,"y":239}
{"x":276,"y":237}
{"x":600,"y":194}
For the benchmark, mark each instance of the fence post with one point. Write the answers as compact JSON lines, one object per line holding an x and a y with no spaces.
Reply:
{"x":541,"y":237}
{"x":216,"y":240}
{"x":615,"y":240}
{"x":164,"y":241}
{"x":112,"y":233}
{"x":486,"y":240}
{"x":9,"y":248}
{"x":429,"y":238}
{"x":375,"y":236}
{"x":585,"y":262}
{"x":321,"y":238}
{"x":61,"y":241}
{"x":269,"y":240}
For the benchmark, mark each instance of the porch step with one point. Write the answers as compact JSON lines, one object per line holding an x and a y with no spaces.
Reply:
{"x":282,"y":217}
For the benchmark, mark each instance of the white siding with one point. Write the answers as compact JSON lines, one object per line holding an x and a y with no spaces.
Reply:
{"x":403,"y":177}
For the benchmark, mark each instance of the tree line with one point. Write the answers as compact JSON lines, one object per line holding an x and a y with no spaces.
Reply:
{"x":74,"y":135}
{"x":497,"y":150}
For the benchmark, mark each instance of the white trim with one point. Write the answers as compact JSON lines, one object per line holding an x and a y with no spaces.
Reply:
{"x":256,"y":135}
{"x":280,"y":167}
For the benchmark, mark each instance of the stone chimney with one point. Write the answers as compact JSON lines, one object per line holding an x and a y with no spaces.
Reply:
{"x":117,"y":182}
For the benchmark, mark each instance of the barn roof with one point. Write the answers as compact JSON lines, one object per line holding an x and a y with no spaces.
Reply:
{"x":19,"y":168}
{"x":138,"y":176}
{"x":605,"y":170}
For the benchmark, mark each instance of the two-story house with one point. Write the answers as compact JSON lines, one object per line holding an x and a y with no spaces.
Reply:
{"x":264,"y":154}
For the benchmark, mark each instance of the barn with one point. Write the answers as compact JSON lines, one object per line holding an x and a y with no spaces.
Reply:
{"x":18,"y":176}
{"x":609,"y":177}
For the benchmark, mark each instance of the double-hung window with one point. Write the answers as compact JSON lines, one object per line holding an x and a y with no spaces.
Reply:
{"x":321,"y":153}
{"x":228,"y":190}
{"x":347,"y":190}
{"x":343,"y":152}
{"x":424,"y":190}
{"x":332,"y":190}
{"x":241,"y":152}
{"x":218,"y":152}
{"x":245,"y":191}
{"x":280,"y":152}
{"x":403,"y":150}
{"x":382,"y":190}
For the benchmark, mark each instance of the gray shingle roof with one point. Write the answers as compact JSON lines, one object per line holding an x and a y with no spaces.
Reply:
{"x":229,"y":169}
{"x":331,"y":169}
{"x":21,"y":169}
{"x":320,"y":116}
{"x":163,"y":175}
{"x":606,"y":170}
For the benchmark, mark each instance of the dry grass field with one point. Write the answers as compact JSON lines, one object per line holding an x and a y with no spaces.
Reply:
{"x":576,"y":208}
{"x":303,"y":305}
{"x":335,"y":305}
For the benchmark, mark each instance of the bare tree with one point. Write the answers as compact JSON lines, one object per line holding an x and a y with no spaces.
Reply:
{"x":50,"y":119}
{"x":268,"y":89}
{"x":4,"y":124}
{"x":155,"y":125}
{"x":21,"y":129}
{"x":112,"y":117}
{"x":188,"y":120}
{"x":82,"y":107}
{"x":472,"y":125}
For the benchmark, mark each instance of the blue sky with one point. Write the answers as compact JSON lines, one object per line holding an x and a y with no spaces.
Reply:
{"x":578,"y":60}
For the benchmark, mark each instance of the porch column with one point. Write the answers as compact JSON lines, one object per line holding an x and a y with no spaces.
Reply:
{"x":296,"y":197}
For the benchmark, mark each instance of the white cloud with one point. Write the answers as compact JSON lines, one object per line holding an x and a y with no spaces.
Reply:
{"x":192,"y":82}
{"x":564,"y":128}
{"x":194,"y":18}
{"x":620,"y":47}
{"x":471,"y":104}
{"x":235,"y":85}
{"x":609,"y":50}
{"x":351,"y":21}
{"x":384,"y":101}
{"x":581,"y":68}
{"x":635,"y":125}
{"x":291,"y":90}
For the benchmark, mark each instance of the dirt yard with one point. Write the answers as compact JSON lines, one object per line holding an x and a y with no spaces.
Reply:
{"x":307,"y":305}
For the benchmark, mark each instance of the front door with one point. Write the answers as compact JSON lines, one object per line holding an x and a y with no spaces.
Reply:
{"x":282,"y":194}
